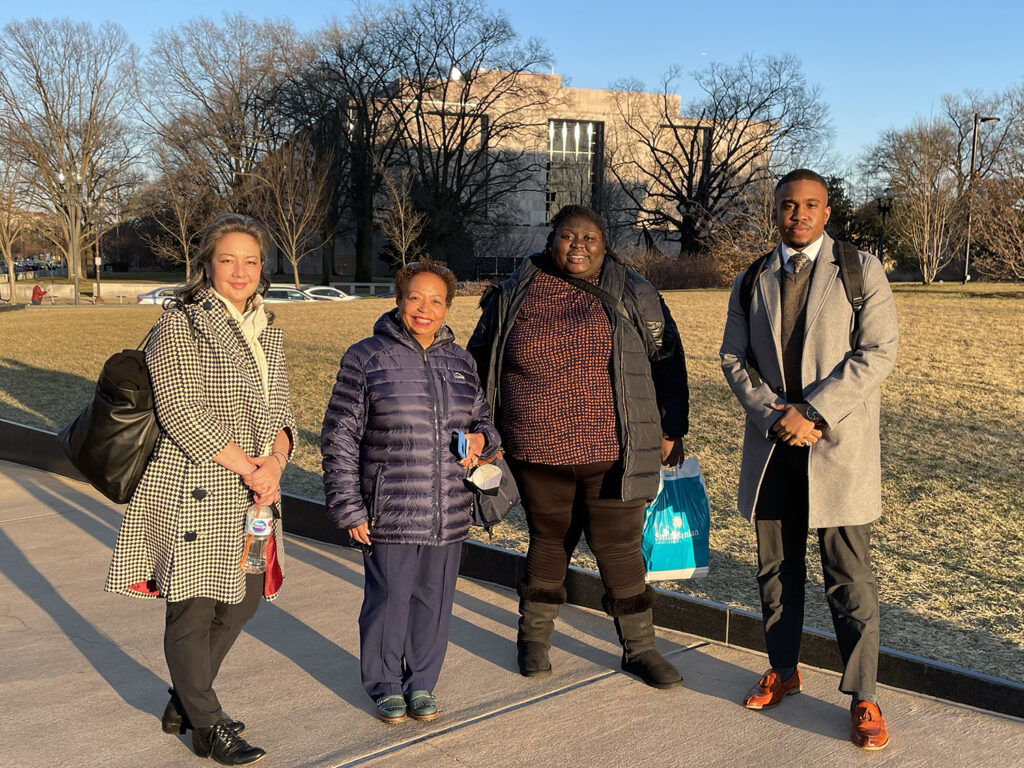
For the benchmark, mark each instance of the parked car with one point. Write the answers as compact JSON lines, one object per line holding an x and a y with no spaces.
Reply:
{"x":156,"y":296}
{"x":328,"y":293}
{"x":278,"y":293}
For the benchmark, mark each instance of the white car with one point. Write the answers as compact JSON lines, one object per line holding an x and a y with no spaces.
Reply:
{"x":328,"y":293}
{"x":278,"y":293}
{"x":156,"y":296}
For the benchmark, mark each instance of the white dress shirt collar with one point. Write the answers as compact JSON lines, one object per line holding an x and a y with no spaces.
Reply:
{"x":811,"y":251}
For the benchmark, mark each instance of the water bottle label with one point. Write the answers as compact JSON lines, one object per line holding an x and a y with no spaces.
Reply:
{"x":257,"y":527}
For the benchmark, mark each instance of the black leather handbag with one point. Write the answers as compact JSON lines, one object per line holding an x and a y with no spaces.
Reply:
{"x":491,"y":506}
{"x":111,"y":440}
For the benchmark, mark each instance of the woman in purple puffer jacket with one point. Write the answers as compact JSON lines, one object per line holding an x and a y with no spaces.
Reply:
{"x":394,"y":480}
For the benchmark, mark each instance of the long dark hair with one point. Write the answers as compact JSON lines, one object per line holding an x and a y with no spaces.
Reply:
{"x":225,"y":224}
{"x":579,"y":212}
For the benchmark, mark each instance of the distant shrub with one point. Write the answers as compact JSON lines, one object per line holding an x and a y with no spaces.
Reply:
{"x":685,"y":271}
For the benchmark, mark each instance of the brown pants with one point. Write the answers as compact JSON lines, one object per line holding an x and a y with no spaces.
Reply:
{"x":563,"y":501}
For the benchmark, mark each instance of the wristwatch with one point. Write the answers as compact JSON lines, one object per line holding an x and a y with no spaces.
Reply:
{"x":813,"y":415}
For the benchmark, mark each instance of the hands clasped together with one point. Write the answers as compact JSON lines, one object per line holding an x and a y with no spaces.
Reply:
{"x":794,"y":428}
{"x":264,"y":478}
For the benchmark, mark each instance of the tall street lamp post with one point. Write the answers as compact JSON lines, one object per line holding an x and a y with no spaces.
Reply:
{"x":72,"y":198}
{"x":884,"y":201}
{"x":978,"y":119}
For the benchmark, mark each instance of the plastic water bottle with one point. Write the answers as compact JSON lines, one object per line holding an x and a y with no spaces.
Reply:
{"x":259,"y":527}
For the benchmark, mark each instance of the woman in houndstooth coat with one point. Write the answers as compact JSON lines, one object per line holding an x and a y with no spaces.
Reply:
{"x":221,"y":397}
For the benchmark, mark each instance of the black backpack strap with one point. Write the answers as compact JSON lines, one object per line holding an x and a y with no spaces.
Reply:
{"x":853,"y":281}
{"x":747,"y":284}
{"x":606,"y":298}
{"x":173,"y":303}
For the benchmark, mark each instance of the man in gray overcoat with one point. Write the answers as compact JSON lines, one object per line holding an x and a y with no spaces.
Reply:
{"x":811,"y":446}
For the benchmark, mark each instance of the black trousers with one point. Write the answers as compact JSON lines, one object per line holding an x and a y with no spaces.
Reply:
{"x":197,"y":636}
{"x":850,"y":588}
{"x":403,"y":624}
{"x":563,"y":501}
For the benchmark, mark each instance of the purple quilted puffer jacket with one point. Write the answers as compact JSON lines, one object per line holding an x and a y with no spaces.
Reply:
{"x":389,"y":437}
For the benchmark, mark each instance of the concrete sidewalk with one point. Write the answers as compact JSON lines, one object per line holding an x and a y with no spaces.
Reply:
{"x":83,"y":681}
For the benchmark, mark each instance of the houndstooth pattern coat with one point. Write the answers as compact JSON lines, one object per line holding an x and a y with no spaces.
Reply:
{"x":183,"y":528}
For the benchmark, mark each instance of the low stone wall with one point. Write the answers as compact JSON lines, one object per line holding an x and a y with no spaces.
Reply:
{"x":306,"y":517}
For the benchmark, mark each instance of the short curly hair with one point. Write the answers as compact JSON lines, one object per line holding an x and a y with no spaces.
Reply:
{"x":413,"y":268}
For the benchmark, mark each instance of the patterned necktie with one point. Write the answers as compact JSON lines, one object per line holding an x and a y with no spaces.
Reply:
{"x":799,"y":261}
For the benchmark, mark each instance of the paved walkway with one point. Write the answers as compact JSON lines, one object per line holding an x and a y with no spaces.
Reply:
{"x":83,"y":682}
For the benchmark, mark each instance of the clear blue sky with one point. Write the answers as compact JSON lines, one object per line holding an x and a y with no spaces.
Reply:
{"x":879,"y":63}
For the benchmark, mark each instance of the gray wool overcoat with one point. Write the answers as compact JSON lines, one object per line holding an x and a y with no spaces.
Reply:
{"x":842,"y":384}
{"x":183,"y":528}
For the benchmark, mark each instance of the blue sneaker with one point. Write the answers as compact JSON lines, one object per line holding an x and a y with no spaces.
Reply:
{"x":391,"y":709}
{"x":422,"y":705}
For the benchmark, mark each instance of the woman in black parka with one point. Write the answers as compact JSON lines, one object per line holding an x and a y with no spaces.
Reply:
{"x":394,"y":480}
{"x":584,"y":369}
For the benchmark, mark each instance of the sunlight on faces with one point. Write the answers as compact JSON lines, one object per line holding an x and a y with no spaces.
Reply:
{"x":235,"y":268}
{"x":800,"y":212}
{"x":578,"y":249}
{"x":423,"y":307}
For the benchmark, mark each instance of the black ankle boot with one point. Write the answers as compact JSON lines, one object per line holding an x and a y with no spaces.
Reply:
{"x":176,"y":721}
{"x":224,"y":745}
{"x":537,"y":611}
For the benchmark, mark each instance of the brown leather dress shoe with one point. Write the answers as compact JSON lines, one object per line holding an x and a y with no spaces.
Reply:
{"x":770,"y":689}
{"x":867,"y":726}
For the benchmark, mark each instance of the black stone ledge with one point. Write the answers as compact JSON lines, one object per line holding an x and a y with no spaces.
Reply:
{"x":734,"y":626}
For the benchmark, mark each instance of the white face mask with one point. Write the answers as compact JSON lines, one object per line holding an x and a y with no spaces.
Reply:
{"x":487,"y":477}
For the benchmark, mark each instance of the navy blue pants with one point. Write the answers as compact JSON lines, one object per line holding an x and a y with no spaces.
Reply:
{"x":403,"y":624}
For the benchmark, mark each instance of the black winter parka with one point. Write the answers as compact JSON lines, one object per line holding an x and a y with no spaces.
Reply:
{"x":648,"y":364}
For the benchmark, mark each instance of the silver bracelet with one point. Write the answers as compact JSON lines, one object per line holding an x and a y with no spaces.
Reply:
{"x":277,"y":459}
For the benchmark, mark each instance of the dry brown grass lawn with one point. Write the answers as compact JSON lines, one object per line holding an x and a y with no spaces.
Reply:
{"x":949,"y":548}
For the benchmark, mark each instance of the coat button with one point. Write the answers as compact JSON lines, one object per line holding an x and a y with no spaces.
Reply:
{"x":190,"y":536}
{"x":207,"y":305}
{"x":198,"y":494}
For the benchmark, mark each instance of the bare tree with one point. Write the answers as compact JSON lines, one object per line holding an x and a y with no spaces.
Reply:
{"x":687,"y":169}
{"x":997,"y":142}
{"x":921,"y":164}
{"x":472,"y":112}
{"x":15,"y":219}
{"x":211,"y":87}
{"x":180,"y":203}
{"x":1001,"y":236}
{"x":66,"y":95}
{"x":288,"y":193}
{"x":342,"y":103}
{"x":400,"y":222}
{"x":749,"y":233}
{"x":997,"y":192}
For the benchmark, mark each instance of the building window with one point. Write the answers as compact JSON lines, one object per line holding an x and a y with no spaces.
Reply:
{"x":575,"y":151}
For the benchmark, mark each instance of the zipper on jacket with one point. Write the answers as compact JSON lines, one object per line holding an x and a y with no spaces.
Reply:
{"x":621,"y":394}
{"x":437,"y":451}
{"x":371,"y":513}
{"x":444,"y":394}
